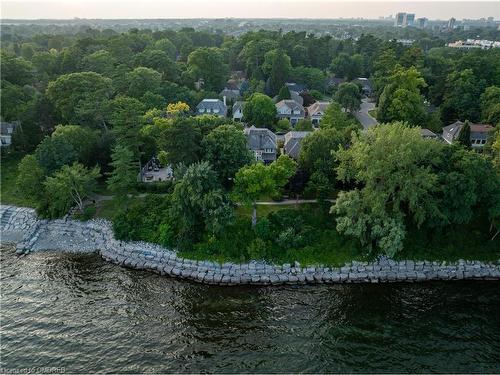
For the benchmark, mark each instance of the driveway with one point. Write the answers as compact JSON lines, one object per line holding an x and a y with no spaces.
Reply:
{"x":363,"y":116}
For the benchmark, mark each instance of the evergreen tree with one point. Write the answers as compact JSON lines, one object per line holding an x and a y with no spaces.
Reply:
{"x":123,"y":178}
{"x":284,"y":93}
{"x":464,"y":135}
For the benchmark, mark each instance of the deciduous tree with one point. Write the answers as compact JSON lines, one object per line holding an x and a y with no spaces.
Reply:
{"x":68,"y":187}
{"x":260,"y":111}
{"x":225,"y":148}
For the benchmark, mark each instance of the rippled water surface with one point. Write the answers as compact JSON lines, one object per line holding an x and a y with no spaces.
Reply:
{"x":82,"y":314}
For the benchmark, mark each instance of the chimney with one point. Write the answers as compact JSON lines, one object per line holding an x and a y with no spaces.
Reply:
{"x":224,"y":99}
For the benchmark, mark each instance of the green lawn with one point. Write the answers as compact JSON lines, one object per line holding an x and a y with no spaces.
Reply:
{"x":107,"y":208}
{"x":264,"y":210}
{"x":373,"y":112}
{"x":9,"y":193}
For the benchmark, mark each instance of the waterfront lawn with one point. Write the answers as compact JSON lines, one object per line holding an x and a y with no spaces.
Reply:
{"x":286,"y":233}
{"x":297,"y":232}
{"x":9,"y":193}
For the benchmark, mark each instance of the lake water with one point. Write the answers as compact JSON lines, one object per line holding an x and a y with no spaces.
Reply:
{"x":77,"y":313}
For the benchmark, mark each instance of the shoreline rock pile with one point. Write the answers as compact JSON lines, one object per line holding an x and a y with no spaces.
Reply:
{"x":21,"y":226}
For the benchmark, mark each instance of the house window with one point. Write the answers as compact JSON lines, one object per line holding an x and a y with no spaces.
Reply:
{"x":268,"y":150}
{"x":216,"y":111}
{"x":201,"y":110}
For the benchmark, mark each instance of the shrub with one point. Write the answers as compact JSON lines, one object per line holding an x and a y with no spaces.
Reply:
{"x":257,"y":249}
{"x":143,"y":220}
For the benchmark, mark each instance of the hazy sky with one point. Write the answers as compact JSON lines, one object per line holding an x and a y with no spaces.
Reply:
{"x":35,"y":9}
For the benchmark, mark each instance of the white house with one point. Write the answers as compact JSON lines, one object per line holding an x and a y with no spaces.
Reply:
{"x":238,"y":111}
{"x":7,"y":129}
{"x":316,"y":111}
{"x":290,"y":110}
{"x":211,"y":107}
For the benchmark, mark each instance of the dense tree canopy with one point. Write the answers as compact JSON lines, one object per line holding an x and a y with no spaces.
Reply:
{"x":207,"y":64}
{"x":260,"y":111}
{"x":225,"y":148}
{"x":72,"y":91}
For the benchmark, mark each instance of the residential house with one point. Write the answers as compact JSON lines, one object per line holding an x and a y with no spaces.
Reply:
{"x":426,"y":133}
{"x":211,"y":107}
{"x":316,"y":111}
{"x":366,"y":86}
{"x":479,"y":133}
{"x":262,"y":142}
{"x":238,"y":111}
{"x":295,"y":96}
{"x":292,"y":144}
{"x":290,"y":110}
{"x":296,"y":87}
{"x":7,"y":129}
{"x":231,"y":95}
{"x":333,"y":83}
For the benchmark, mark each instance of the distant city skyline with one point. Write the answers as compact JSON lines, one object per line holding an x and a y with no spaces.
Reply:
{"x":325,"y":9}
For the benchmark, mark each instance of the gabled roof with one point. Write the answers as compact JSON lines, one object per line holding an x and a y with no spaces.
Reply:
{"x":239,"y":105}
{"x":453,"y":129}
{"x":426,"y":133}
{"x":212,"y":104}
{"x":318,"y":108}
{"x":335,"y":81}
{"x":230,"y":94}
{"x":292,"y":142}
{"x":292,"y":104}
{"x":260,"y":138}
{"x":294,"y":95}
{"x":232,"y":84}
{"x":296,"y":135}
{"x":480,"y":128}
{"x":297,"y":87}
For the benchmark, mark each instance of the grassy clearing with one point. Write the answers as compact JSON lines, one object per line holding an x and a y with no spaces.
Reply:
{"x":325,"y":245}
{"x":9,"y":193}
{"x":106,"y":209}
{"x":264,"y":210}
{"x":373,"y":112}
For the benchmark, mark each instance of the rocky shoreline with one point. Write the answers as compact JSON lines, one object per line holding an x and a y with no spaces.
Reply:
{"x":30,"y":234}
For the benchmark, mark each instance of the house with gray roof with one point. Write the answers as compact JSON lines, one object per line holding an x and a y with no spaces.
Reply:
{"x":293,"y":142}
{"x":7,"y":130}
{"x":211,"y":107}
{"x":479,"y":133}
{"x":316,"y":111}
{"x":290,"y":110}
{"x":295,"y":96}
{"x":262,"y":142}
{"x":297,"y":87}
{"x":230,"y":95}
{"x":238,"y":111}
{"x":366,"y":86}
{"x":428,"y":134}
{"x":334,"y":82}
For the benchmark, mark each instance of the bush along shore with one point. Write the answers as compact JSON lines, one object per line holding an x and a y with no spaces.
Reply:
{"x":21,"y":226}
